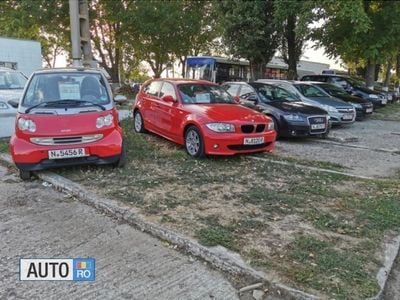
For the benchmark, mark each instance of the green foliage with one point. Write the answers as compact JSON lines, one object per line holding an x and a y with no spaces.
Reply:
{"x":249,"y":30}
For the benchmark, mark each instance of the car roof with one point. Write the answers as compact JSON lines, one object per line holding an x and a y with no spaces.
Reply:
{"x":8,"y":70}
{"x":275,"y":81}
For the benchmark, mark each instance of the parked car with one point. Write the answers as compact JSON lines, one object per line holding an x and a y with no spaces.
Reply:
{"x":390,"y":94}
{"x":66,"y":117}
{"x":363,"y":107}
{"x":11,"y":87}
{"x":352,"y":86}
{"x":202,"y":116}
{"x":291,"y":117}
{"x":340,"y":112}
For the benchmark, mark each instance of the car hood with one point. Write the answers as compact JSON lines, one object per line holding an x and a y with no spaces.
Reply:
{"x":14,"y":94}
{"x":350,"y":98}
{"x":331,"y":101}
{"x":297,"y":107}
{"x":225,"y":112}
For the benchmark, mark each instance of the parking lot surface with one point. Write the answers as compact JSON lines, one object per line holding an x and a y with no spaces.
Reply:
{"x":36,"y":221}
{"x":375,"y":139}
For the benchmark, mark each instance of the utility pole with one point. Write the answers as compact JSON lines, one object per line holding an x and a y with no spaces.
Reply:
{"x":80,"y":33}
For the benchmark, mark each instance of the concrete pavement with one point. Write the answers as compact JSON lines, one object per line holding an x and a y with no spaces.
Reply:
{"x":36,"y":221}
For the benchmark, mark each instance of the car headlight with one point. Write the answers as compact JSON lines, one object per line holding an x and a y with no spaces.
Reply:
{"x":270,"y":126}
{"x":26,"y":125}
{"x":373,"y":96}
{"x":221,"y":127}
{"x":294,"y":118}
{"x":3,"y":105}
{"x":329,"y":108}
{"x":356,"y":105}
{"x":104,"y":121}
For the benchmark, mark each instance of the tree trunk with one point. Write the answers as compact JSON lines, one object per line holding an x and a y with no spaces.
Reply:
{"x":387,"y":75}
{"x":398,"y":65}
{"x":370,"y":75}
{"x":183,"y":67}
{"x":291,"y":42}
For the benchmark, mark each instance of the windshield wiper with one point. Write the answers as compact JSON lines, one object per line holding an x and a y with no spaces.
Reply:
{"x":63,"y":101}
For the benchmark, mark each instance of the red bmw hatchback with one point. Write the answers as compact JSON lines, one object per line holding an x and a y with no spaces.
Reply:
{"x":66,"y":117}
{"x":201,"y":116}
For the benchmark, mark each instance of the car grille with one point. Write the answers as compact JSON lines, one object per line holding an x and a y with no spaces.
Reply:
{"x":248,"y":147}
{"x":345,"y":110}
{"x":67,"y":140}
{"x":249,"y":128}
{"x":317,"y":120}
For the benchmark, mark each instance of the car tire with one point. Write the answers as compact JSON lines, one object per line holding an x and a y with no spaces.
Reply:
{"x":123,"y":157}
{"x":194,"y":142}
{"x":25,"y":175}
{"x":138,"y":124}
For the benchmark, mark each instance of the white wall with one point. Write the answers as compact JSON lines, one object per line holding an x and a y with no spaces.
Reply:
{"x":27,"y":54}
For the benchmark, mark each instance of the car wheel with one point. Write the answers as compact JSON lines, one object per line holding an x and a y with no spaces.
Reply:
{"x":122,"y":158}
{"x":25,"y":175}
{"x":138,"y":124}
{"x":194,"y":142}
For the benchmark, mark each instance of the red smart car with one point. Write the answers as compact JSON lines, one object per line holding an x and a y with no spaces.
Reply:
{"x":201,"y":116}
{"x":66,"y":117}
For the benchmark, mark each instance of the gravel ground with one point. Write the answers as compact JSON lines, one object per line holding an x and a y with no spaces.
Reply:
{"x":373,"y":134}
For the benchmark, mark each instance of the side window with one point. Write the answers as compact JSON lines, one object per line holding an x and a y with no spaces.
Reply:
{"x":167,"y":90}
{"x":245,"y":91}
{"x":153,"y":88}
{"x":306,"y":78}
{"x":340,"y":82}
{"x":232,"y":89}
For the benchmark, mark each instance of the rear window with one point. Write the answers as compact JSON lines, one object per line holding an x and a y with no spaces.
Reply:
{"x":310,"y":90}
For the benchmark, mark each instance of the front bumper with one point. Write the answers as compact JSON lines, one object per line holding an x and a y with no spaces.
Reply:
{"x":233,"y":143}
{"x":303,"y":129}
{"x":31,"y":157}
{"x":338,"y":118}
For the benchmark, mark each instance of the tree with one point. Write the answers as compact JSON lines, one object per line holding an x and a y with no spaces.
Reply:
{"x":361,"y":31}
{"x":249,"y":31}
{"x":292,"y":19}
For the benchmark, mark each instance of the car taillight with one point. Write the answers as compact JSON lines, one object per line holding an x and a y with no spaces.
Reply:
{"x":26,"y":125}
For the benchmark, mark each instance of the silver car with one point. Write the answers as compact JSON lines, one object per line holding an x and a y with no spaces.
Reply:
{"x":340,"y":112}
{"x":12,"y":84}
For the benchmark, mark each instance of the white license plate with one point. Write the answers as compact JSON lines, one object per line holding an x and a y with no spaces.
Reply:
{"x":348,"y":117}
{"x":390,"y":97}
{"x":317,"y":126}
{"x":253,"y":141}
{"x":66,"y":153}
{"x":369,"y":110}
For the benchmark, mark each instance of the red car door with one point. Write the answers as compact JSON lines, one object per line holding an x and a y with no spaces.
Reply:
{"x":167,"y":113}
{"x":148,"y":97}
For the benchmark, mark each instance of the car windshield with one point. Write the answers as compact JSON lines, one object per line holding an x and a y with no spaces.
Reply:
{"x":309,"y":90}
{"x":11,"y":80}
{"x":68,"y":88}
{"x":332,"y":89}
{"x":194,"y":93}
{"x":269,"y":93}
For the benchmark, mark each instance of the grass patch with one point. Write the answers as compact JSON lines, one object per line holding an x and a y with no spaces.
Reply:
{"x":342,"y":274}
{"x":3,"y":146}
{"x":269,"y":213}
{"x":390,"y":112}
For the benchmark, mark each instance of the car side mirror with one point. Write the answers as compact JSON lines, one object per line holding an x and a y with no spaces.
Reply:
{"x":120,"y":98}
{"x":168,"y":98}
{"x":13,"y":103}
{"x":236,"y":99}
{"x":252,"y":98}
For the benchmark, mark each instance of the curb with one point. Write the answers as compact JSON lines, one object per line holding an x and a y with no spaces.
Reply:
{"x":285,"y":163}
{"x":226,"y":263}
{"x":214,"y":256}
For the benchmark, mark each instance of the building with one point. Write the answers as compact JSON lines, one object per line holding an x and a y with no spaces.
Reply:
{"x":277,"y":68}
{"x":22,"y":55}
